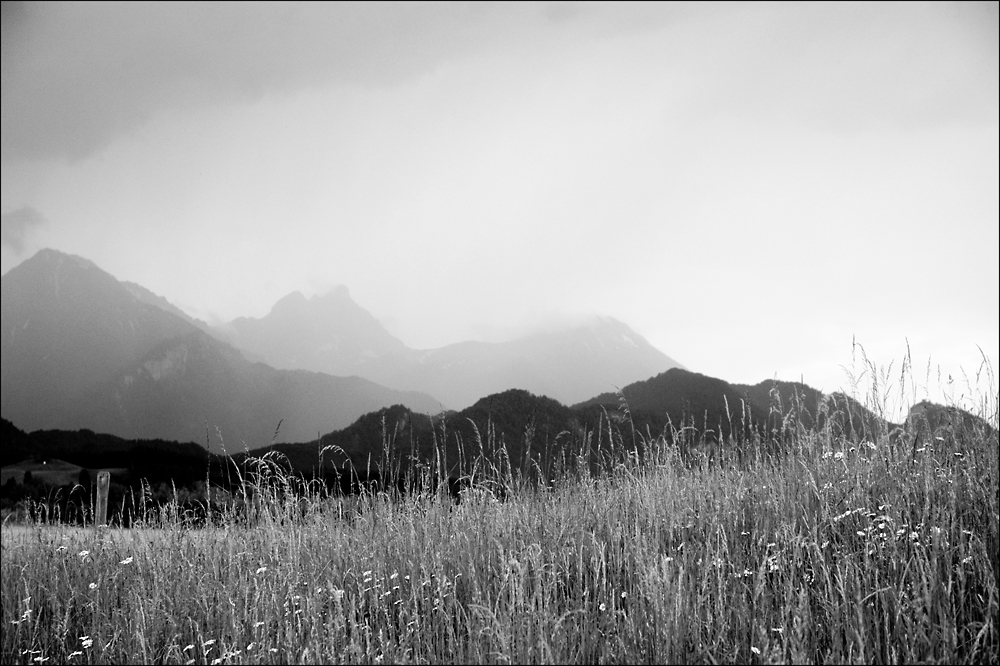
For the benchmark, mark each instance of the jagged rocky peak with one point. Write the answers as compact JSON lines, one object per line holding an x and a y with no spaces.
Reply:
{"x":297,"y":303}
{"x":293,"y":302}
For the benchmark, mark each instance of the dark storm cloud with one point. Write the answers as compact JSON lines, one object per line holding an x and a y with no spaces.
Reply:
{"x":75,"y":76}
{"x":15,"y":225}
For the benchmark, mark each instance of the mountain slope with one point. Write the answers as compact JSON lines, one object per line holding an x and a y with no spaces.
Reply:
{"x":81,"y":350}
{"x":146,"y":296}
{"x":67,"y":326}
{"x":567,"y":365}
{"x":333,"y":334}
{"x":710,"y":405}
{"x":193,"y":387}
{"x":328,"y":333}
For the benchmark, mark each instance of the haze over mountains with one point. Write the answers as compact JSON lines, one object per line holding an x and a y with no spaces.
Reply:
{"x":333,"y":334}
{"x":82,"y":350}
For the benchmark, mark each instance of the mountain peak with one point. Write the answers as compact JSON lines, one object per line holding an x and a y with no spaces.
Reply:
{"x":325,"y":333}
{"x":54,"y":260}
{"x":290,"y":303}
{"x":340,"y":293}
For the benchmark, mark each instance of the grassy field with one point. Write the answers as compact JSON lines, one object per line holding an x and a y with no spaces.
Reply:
{"x":830,"y":551}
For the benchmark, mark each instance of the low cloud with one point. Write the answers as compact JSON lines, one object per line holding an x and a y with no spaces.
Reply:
{"x":17,"y":224}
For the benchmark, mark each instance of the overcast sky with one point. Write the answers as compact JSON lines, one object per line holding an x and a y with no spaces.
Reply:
{"x":750,"y":187}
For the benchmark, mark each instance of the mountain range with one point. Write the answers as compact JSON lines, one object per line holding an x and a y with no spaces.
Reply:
{"x":84,"y":352}
{"x":81,"y":349}
{"x":333,"y":334}
{"x":514,"y":429}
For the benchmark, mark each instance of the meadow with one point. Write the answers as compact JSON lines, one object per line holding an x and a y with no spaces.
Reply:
{"x":827,"y":549}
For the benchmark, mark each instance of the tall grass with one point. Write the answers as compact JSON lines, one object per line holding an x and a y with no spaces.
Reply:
{"x":831,"y":550}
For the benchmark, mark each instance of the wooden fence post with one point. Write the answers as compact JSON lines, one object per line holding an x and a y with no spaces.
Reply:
{"x":103,"y":485}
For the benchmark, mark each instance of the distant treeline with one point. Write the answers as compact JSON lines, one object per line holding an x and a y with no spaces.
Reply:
{"x":507,"y":436}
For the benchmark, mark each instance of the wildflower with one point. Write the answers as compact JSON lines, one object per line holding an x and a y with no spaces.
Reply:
{"x":602,"y":607}
{"x":127,"y":560}
{"x":839,"y":455}
{"x":624,"y":594}
{"x":88,"y":642}
{"x":83,"y":554}
{"x":61,"y":549}
{"x":257,"y":625}
{"x":210,"y":642}
{"x":755,"y":649}
{"x":75,"y":653}
{"x":261,"y":570}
